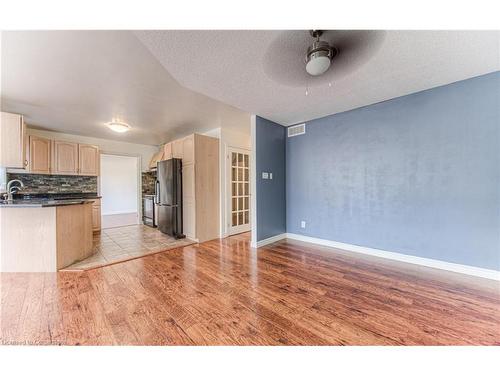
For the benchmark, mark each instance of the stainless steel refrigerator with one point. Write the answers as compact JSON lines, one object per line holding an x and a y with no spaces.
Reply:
{"x":168,"y":197}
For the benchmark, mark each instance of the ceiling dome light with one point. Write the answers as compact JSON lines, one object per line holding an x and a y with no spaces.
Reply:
{"x":119,"y":127}
{"x":319,"y":55}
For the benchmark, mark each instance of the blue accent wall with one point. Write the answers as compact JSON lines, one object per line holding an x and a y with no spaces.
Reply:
{"x":270,"y":157}
{"x":419,"y":175}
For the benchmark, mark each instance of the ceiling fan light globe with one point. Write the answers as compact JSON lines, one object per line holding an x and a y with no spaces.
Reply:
{"x":318,"y":65}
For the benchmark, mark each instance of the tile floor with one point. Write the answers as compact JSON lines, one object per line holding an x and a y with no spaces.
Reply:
{"x":118,"y":244}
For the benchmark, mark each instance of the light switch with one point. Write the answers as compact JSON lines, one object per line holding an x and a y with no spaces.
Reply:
{"x":302,"y":224}
{"x":270,"y":176}
{"x":265,"y":175}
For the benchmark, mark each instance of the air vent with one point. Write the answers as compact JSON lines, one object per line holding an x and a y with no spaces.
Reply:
{"x":296,"y":130}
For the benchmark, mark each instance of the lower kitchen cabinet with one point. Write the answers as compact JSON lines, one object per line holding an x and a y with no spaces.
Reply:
{"x":96,"y":215}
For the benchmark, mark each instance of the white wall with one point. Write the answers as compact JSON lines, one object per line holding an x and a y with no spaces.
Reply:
{"x":119,"y":187}
{"x":105,"y":145}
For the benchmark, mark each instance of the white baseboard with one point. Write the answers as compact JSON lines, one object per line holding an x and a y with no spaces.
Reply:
{"x":433,"y":263}
{"x":269,"y":240}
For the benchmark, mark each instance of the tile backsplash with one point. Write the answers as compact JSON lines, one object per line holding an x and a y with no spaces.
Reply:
{"x":148,"y":183}
{"x":44,"y":183}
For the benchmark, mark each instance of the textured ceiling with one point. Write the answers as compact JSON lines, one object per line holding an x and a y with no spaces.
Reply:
{"x":262,"y":72}
{"x":76,"y":81}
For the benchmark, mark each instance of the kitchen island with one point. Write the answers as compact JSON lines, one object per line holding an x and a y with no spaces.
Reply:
{"x":44,"y":235}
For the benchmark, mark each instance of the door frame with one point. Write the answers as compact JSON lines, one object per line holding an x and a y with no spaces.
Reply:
{"x":229,"y":196}
{"x":139,"y":178}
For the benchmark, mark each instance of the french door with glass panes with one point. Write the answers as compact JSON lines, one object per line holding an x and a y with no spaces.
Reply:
{"x":239,"y":190}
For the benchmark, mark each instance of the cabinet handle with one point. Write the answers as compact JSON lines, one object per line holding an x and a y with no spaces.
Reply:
{"x":26,"y":163}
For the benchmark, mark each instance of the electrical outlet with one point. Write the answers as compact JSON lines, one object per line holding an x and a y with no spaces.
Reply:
{"x":302,"y":224}
{"x":265,"y":175}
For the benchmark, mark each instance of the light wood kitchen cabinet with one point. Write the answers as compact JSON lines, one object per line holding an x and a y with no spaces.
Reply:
{"x":88,"y":160}
{"x":96,"y":215}
{"x":39,"y":155}
{"x":167,"y":151}
{"x":200,"y":187}
{"x":188,"y":150}
{"x":155,"y":159}
{"x":206,"y":175}
{"x":12,"y":141}
{"x":189,"y":219}
{"x":177,"y":148}
{"x":188,"y":182}
{"x":45,"y":239}
{"x":65,"y":158}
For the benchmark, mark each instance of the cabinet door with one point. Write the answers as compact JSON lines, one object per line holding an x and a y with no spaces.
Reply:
{"x":88,"y":160}
{"x":167,"y":151}
{"x":12,"y":141}
{"x":65,"y":158}
{"x":177,"y":147}
{"x":156,"y":158}
{"x":188,"y":182}
{"x":40,"y":149}
{"x":188,"y":150}
{"x":152,"y":162}
{"x":188,"y":201}
{"x":189,"y":219}
{"x":96,"y":216}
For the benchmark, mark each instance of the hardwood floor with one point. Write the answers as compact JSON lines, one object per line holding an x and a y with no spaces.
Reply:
{"x":225,"y":293}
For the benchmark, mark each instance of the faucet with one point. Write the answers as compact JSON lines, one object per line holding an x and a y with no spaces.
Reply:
{"x":12,"y":189}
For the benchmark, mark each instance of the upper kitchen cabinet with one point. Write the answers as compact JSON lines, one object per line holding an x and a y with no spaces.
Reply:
{"x":40,"y":155}
{"x":12,"y":141}
{"x":177,"y":148}
{"x":156,"y":158}
{"x":167,"y":151}
{"x":65,"y":158}
{"x":188,"y":150}
{"x":88,"y":160}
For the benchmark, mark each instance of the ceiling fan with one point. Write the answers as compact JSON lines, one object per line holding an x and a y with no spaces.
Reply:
{"x":292,"y":59}
{"x":319,"y":55}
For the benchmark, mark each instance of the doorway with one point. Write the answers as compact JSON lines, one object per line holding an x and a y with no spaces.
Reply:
{"x":238,"y":170}
{"x":119,"y":188}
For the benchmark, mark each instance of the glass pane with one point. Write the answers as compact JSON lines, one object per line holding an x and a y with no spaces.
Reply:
{"x":240,"y":204}
{"x":240,"y":189}
{"x":240,"y":174}
{"x":246,"y":218}
{"x":240,"y":218}
{"x":234,"y":207}
{"x":246,"y":175}
{"x":234,"y":189}
{"x":233,"y":174}
{"x":246,"y":161}
{"x":235,"y":219}
{"x":233,"y":158}
{"x":246,"y":188}
{"x":246,"y":205}
{"x":240,"y":160}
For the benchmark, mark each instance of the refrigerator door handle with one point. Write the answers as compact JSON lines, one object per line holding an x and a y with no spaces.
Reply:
{"x":157,"y":192}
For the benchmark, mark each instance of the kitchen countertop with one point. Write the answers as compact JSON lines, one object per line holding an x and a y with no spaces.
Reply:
{"x":49,"y":200}
{"x":24,"y":203}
